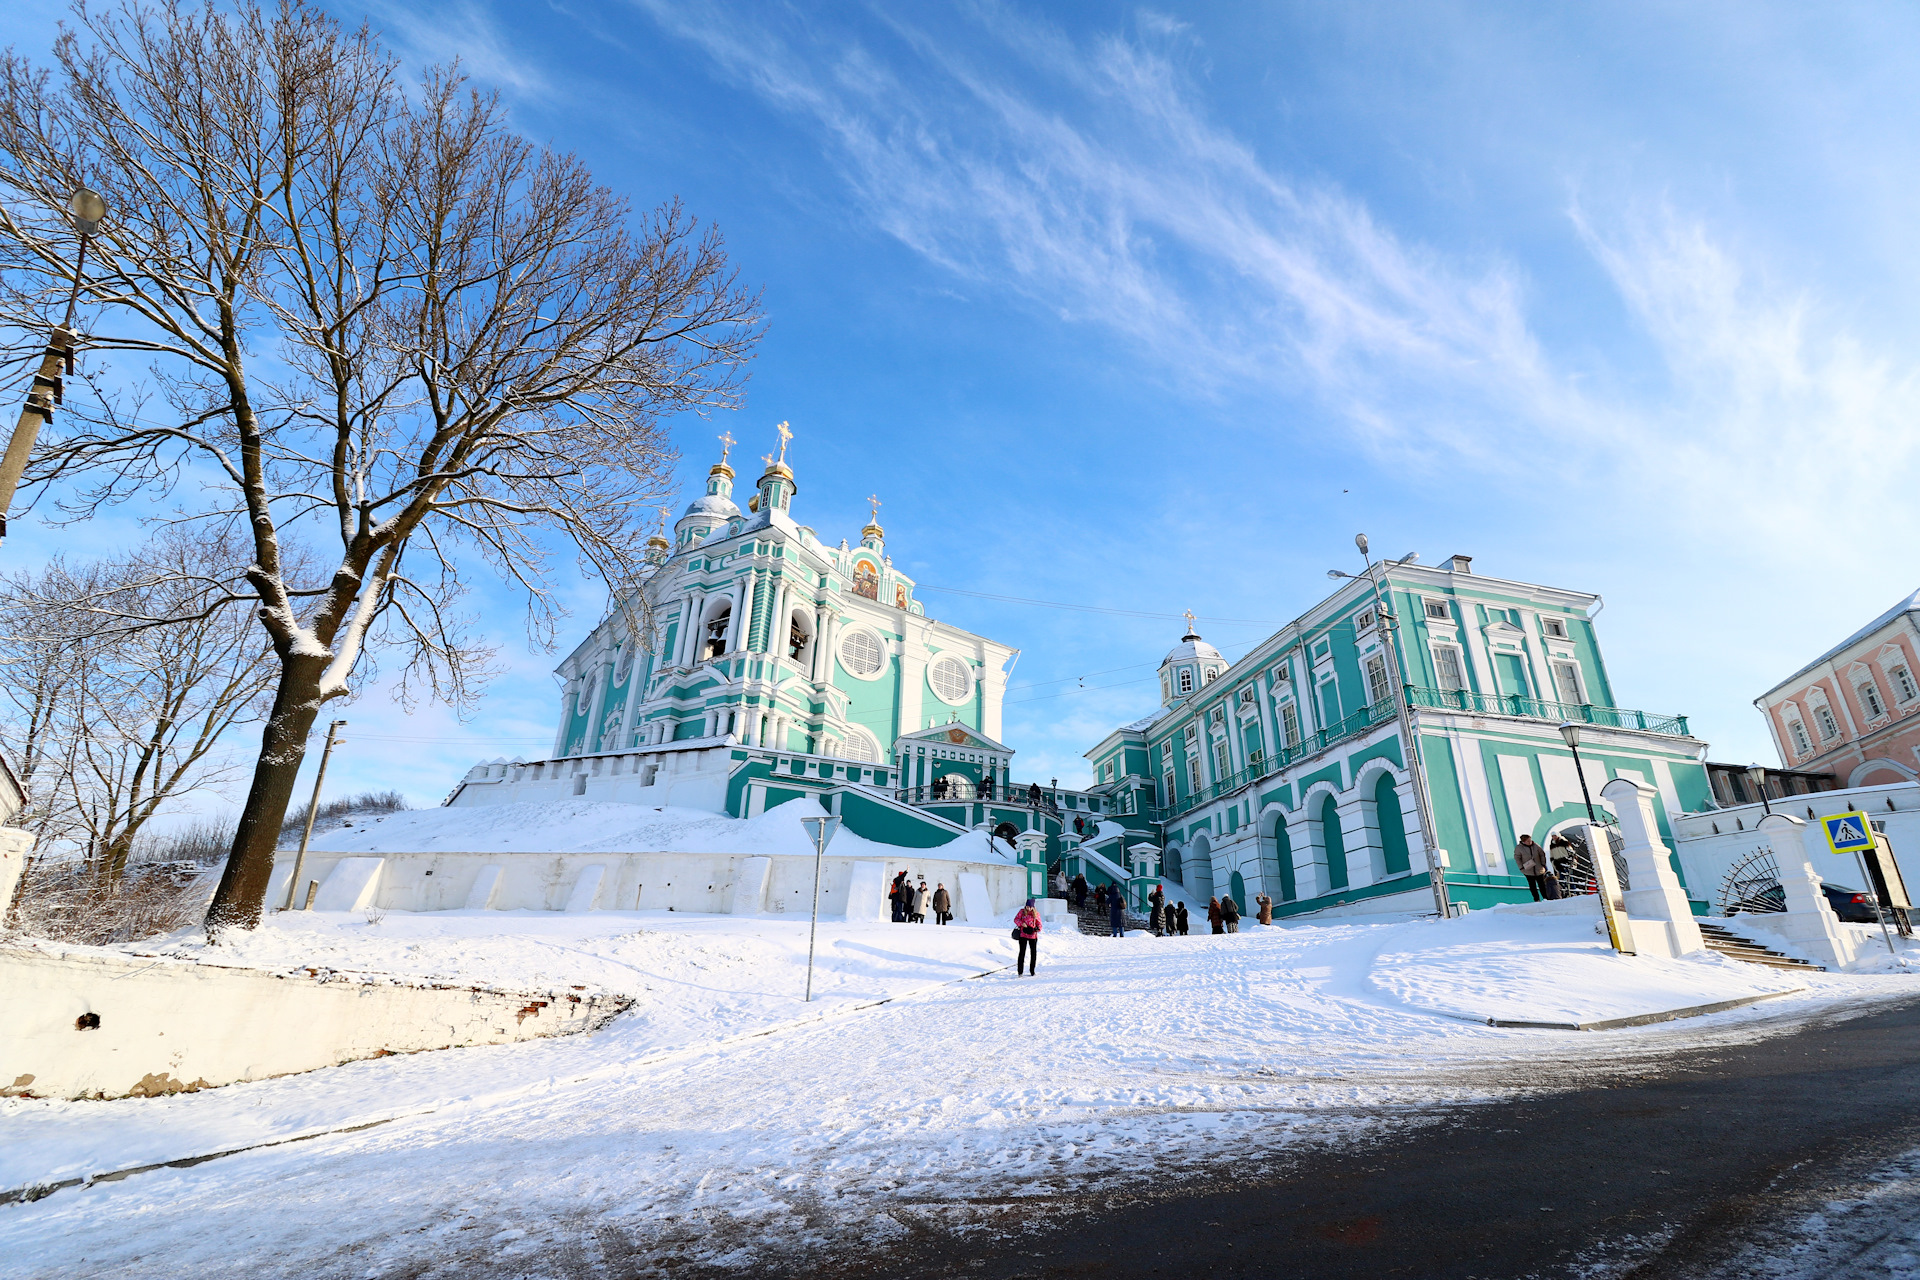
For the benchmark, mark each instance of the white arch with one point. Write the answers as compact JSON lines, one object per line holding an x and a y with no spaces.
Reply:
{"x":1876,"y":763}
{"x":1197,"y":867}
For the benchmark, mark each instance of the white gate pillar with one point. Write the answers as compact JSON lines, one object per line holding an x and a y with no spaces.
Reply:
{"x":1664,"y":923}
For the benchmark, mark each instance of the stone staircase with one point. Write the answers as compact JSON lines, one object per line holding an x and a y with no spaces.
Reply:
{"x":1728,"y":943}
{"x":1094,"y":921}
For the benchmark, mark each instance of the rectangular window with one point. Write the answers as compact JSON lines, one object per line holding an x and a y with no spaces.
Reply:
{"x":1566,"y":683}
{"x":1246,"y":696}
{"x":1290,"y":723}
{"x":1378,"y":690}
{"x":1870,"y":699}
{"x":1446,"y":662}
{"x":1222,"y":762}
{"x":1903,"y":686}
{"x":1186,"y":680}
{"x":1364,"y":621}
{"x":1438,"y":611}
{"x":1829,"y":727}
{"x":1555,"y":627}
{"x":1193,"y":775}
{"x":1802,"y":744}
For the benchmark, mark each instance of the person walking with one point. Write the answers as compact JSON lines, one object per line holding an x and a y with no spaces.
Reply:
{"x":1117,"y":912}
{"x":1266,"y":908}
{"x":898,"y":897}
{"x":1533,"y":865}
{"x":1026,"y":929}
{"x":1157,"y":911}
{"x":920,"y":896}
{"x":1079,"y":889}
{"x":1564,"y":857}
{"x":1215,"y":917}
{"x":942,"y":904}
{"x":1229,"y":913}
{"x":1181,"y":912}
{"x":1100,"y":899}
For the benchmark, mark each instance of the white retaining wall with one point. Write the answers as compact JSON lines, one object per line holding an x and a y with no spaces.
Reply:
{"x":1707,"y":855}
{"x":705,"y":882}
{"x":171,"y":1026}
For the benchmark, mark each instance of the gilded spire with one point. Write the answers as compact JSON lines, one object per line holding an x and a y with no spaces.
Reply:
{"x":726,"y":448}
{"x":1191,"y":633}
{"x":778,"y":465}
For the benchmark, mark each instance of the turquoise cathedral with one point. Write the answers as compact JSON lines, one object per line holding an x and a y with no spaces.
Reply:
{"x":1405,"y":727}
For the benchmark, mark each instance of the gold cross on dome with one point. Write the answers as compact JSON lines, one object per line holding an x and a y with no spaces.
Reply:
{"x":1189,"y":617}
{"x":785,"y":435}
{"x":874,"y":499}
{"x":726,"y":446}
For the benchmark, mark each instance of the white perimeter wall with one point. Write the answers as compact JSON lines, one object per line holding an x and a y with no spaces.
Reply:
{"x":1705,"y":858}
{"x":703,"y":882}
{"x":172,"y":1025}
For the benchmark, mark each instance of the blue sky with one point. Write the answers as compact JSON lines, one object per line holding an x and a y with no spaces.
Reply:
{"x":1153,"y":309}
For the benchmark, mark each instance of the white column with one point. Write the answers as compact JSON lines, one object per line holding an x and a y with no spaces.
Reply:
{"x":1655,"y":895}
{"x":743,"y":629}
{"x":1269,"y":740}
{"x":820,"y":640}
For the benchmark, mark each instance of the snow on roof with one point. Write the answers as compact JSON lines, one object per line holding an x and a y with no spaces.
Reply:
{"x":1911,"y":604}
{"x":593,"y":826}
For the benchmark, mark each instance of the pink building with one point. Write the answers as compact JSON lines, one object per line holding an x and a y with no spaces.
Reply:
{"x":1854,"y":711}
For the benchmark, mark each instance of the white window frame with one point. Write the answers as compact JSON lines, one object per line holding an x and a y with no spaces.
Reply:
{"x":1185,"y":682}
{"x":1364,"y":620}
{"x":965,"y":666}
{"x":1558,"y":666}
{"x":1381,"y":689}
{"x":1555,"y":627}
{"x":1870,"y":699}
{"x":1436,"y":610}
{"x":1901,"y":677}
{"x":1440,"y":653}
{"x":1828,"y":723}
{"x":1797,"y":731}
{"x":1290,"y":723}
{"x":840,"y":649}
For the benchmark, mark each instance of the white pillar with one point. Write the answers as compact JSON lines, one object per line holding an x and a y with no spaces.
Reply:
{"x":1270,"y":744}
{"x":822,"y":655}
{"x":1655,"y":897}
{"x":743,"y":630}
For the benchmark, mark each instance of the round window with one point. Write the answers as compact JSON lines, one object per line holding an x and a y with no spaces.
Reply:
{"x":951,"y":680}
{"x":861,"y":654}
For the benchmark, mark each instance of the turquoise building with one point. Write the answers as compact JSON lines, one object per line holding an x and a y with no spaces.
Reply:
{"x":1289,"y":771}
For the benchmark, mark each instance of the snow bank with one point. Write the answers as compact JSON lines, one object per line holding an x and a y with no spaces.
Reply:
{"x":587,"y":826}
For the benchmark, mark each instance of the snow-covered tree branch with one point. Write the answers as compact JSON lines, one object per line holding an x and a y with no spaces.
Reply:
{"x":372,"y":317}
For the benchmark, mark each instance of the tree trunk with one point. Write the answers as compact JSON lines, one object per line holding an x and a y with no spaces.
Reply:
{"x":243,"y":885}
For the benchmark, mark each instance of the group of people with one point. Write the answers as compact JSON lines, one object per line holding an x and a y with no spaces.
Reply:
{"x":1107,"y":900}
{"x":1550,"y":870}
{"x":911,"y":902}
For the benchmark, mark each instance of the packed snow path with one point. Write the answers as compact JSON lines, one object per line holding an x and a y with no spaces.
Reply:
{"x":683,"y":1136}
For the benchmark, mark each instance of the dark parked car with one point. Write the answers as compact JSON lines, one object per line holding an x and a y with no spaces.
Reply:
{"x":1850,"y":905}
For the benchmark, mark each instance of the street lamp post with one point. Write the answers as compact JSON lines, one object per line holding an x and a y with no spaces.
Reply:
{"x":1436,"y":874}
{"x":85,"y":210}
{"x":1757,"y":775}
{"x":1570,"y":734}
{"x":821,"y":827}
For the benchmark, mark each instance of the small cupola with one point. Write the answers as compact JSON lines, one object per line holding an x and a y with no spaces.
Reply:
{"x":873,"y":537}
{"x":776,"y":482}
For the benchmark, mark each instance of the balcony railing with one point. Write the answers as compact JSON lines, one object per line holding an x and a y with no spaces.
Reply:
{"x":1378,"y":713}
{"x":1506,"y":704}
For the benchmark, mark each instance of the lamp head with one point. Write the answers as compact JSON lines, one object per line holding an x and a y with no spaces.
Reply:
{"x":1570,"y":733}
{"x":86,"y":208}
{"x":1757,"y":774}
{"x":1360,"y":541}
{"x":1335,"y":573}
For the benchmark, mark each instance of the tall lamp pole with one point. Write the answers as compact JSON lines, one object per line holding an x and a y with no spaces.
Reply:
{"x":85,"y":210}
{"x":313,"y":811}
{"x":821,"y":827}
{"x":1570,"y":734}
{"x":1409,"y":731}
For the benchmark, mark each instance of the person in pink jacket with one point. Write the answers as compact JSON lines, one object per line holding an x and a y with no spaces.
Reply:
{"x":1026,"y":928}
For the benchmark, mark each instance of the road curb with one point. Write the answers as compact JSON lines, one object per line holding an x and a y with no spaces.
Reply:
{"x":1645,"y":1019}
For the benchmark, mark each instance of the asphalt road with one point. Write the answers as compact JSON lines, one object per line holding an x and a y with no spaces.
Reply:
{"x":1641,"y":1180}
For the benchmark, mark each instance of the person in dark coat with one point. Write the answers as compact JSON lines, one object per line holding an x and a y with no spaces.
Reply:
{"x":1214,"y":918}
{"x":1533,"y":865}
{"x":1157,"y":911}
{"x":1181,"y":912}
{"x":1229,"y":913}
{"x":1079,"y":889}
{"x":1033,"y":796}
{"x":942,"y":904}
{"x":1117,"y":913}
{"x":898,"y":897}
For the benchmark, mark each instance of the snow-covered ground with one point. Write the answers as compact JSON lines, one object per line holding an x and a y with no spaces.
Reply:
{"x":723,"y":1116}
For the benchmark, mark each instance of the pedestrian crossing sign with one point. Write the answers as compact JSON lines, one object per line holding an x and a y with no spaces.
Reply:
{"x":1848,"y":832}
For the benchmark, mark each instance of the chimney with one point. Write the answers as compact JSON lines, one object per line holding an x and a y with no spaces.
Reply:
{"x":1460,"y":564}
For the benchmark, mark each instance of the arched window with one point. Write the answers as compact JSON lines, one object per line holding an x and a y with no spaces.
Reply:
{"x":861,"y":746}
{"x":1393,"y":825}
{"x":1336,"y":846}
{"x":1186,"y":679}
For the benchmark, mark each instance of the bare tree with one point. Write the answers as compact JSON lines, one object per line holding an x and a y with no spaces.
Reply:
{"x":126,"y":677}
{"x":374,"y":318}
